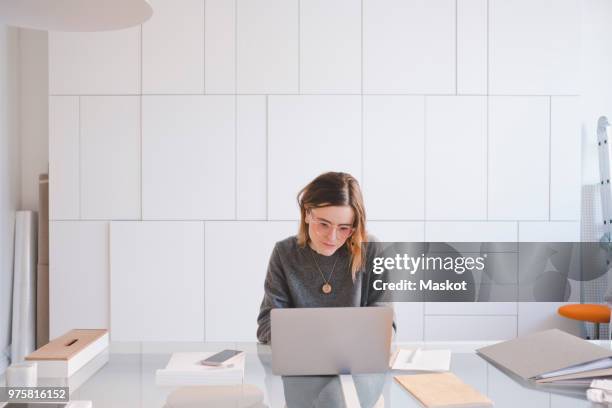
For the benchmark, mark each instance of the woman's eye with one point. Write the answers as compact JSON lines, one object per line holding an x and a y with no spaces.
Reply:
{"x":345,"y":229}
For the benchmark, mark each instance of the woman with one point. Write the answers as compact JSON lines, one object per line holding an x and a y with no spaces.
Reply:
{"x":326,"y":264}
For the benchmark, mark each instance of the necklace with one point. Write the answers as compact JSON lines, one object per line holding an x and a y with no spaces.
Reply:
{"x":326,"y":288}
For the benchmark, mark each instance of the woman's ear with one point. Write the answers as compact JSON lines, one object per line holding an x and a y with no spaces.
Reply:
{"x":307,"y":217}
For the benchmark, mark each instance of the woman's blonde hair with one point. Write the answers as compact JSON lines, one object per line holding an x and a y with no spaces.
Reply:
{"x":336,"y":189}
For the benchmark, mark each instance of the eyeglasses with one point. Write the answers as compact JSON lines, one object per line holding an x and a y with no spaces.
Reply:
{"x":324,"y":228}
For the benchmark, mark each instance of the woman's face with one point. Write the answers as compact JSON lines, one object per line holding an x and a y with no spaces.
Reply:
{"x":329,"y":227}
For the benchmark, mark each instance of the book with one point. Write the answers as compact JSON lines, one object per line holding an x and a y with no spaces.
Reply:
{"x":65,"y":355}
{"x":549,"y":356}
{"x":185,"y":369}
{"x":443,"y":390}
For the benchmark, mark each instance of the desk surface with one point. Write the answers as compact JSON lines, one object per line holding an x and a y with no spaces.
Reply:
{"x":128,"y":379}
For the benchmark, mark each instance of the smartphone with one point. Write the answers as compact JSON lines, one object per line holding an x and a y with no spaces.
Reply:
{"x":221,"y":358}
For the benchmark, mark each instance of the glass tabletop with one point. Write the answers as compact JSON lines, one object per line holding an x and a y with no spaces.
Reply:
{"x":127,"y":379}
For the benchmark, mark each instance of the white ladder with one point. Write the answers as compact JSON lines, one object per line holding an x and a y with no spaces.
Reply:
{"x":603,"y":147}
{"x":604,"y":176}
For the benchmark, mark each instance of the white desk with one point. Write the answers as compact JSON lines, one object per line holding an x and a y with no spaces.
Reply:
{"x":128,"y":379}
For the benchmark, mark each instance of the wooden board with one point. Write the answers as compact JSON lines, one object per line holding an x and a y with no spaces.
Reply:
{"x":442,"y":390}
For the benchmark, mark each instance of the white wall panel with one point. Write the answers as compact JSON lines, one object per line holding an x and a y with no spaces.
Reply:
{"x":473,"y":308}
{"x":64,"y":176}
{"x":409,"y":321}
{"x":408,"y":315}
{"x":469,"y":328}
{"x":251,"y":157}
{"x":267,"y":46}
{"x":188,"y":157}
{"x":309,"y":135}
{"x":524,"y":58}
{"x":432,"y":165}
{"x":78,"y":276}
{"x":105,"y":62}
{"x":330,"y":46}
{"x":173,"y":58}
{"x":393,"y":161}
{"x":565,"y":159}
{"x":409,"y":46}
{"x":397,"y":231}
{"x":536,"y":316}
{"x":157,"y":281}
{"x":220,"y":46}
{"x":549,"y":232}
{"x":519,"y":135}
{"x":456,"y":158}
{"x":478,"y":231}
{"x":460,"y":231}
{"x":472,"y":47}
{"x":235,"y":287}
{"x":553,"y":276}
{"x":110,"y":157}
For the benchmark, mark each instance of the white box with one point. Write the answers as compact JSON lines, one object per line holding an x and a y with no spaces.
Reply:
{"x":65,"y":368}
{"x":186,"y":369}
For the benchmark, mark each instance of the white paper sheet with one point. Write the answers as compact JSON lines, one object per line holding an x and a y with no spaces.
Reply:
{"x":422,"y":360}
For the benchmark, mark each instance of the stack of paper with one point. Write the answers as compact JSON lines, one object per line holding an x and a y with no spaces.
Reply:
{"x":551,"y":356}
{"x":421,"y":360}
{"x":186,"y":369}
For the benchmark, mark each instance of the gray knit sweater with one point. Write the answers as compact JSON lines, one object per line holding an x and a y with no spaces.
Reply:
{"x":293,"y":280}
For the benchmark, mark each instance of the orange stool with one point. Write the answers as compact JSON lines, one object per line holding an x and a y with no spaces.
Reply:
{"x":587,"y":313}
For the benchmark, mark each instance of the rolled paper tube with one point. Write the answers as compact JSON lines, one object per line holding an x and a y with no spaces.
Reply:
{"x":22,"y":375}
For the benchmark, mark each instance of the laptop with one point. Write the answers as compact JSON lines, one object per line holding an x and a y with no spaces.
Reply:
{"x":331,"y":340}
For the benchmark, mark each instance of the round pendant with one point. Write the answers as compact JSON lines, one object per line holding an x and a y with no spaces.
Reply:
{"x":326,"y":288}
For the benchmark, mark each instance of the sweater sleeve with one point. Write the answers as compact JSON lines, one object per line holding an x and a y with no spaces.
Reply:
{"x":276,"y":295}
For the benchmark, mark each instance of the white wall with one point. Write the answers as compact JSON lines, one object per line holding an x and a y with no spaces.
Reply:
{"x":211,"y":116}
{"x":9,"y":176}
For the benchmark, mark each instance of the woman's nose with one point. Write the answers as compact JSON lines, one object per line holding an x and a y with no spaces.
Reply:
{"x":333,"y":234}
